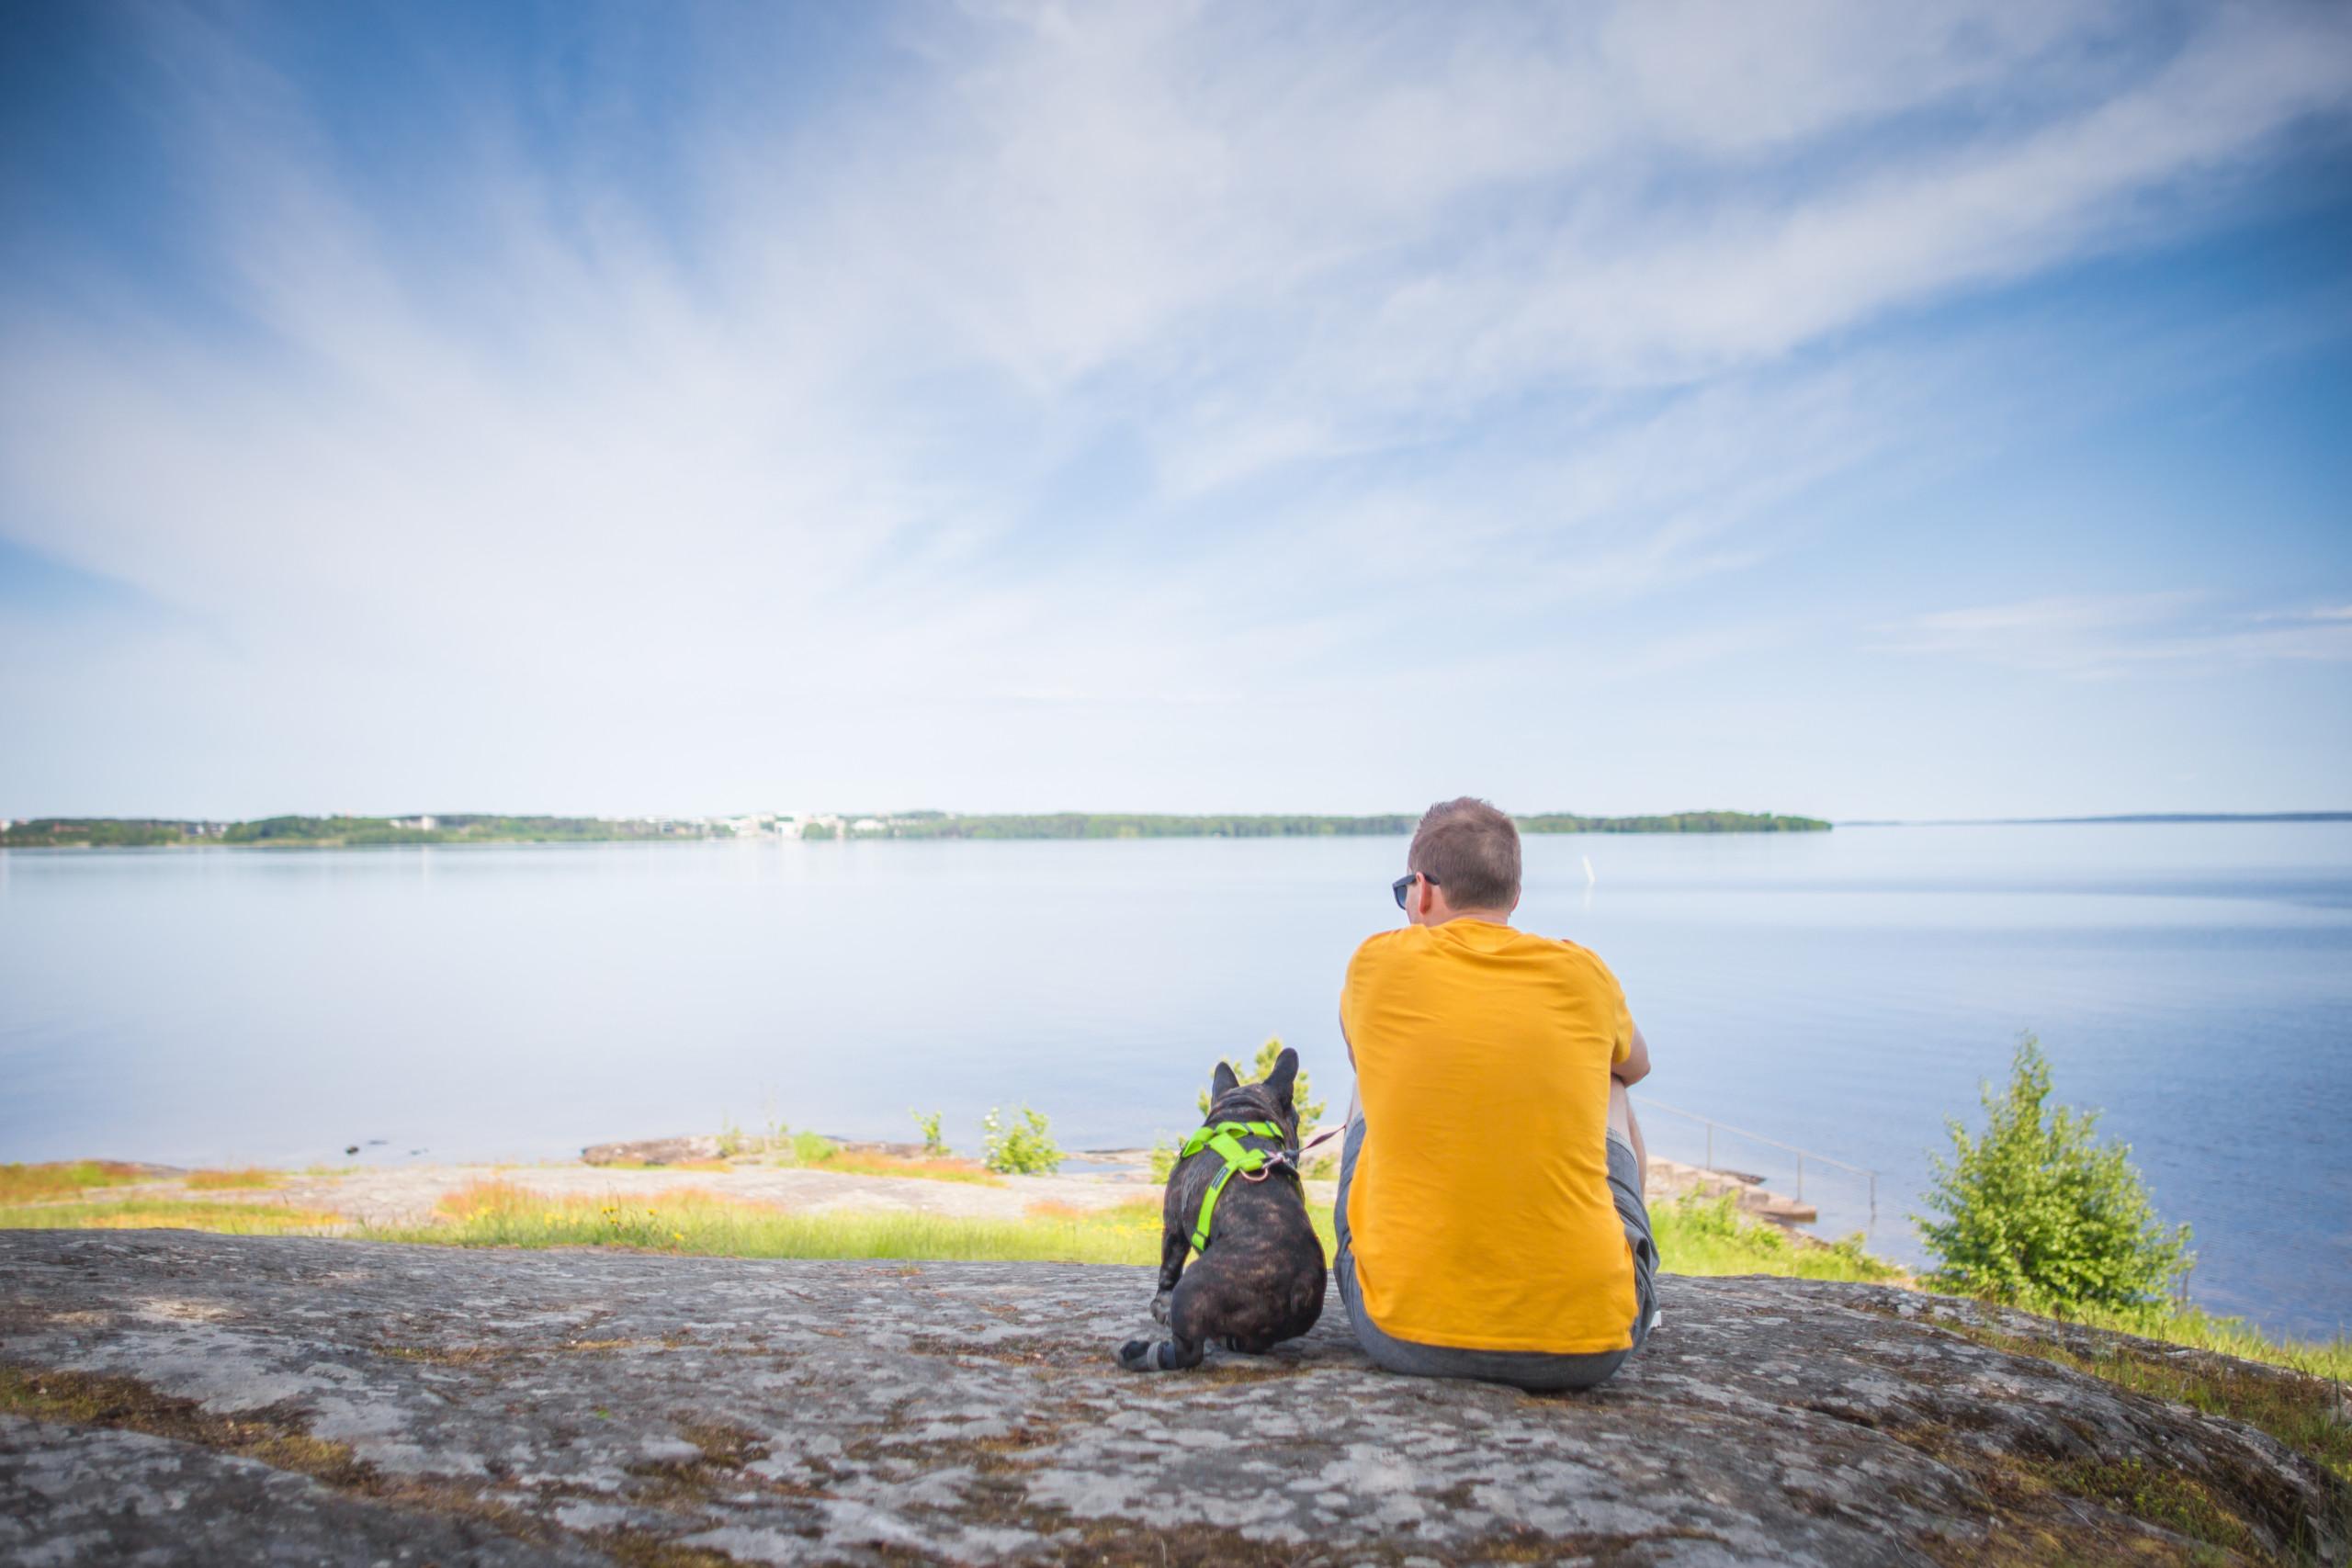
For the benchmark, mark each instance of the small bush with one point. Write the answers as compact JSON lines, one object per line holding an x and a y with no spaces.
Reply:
{"x":1023,"y":1147}
{"x":1163,"y":1157}
{"x":2040,"y":1214}
{"x":934,"y":1145}
{"x":1309,"y":1109}
{"x":812,"y":1148}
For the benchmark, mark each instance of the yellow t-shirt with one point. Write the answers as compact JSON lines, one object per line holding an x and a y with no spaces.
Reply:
{"x":1480,"y":1214}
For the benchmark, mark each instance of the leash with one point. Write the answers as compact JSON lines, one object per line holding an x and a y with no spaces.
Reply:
{"x":1325,"y":1136}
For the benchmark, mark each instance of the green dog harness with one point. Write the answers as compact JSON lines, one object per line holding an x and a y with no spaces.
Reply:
{"x":1225,"y":1139}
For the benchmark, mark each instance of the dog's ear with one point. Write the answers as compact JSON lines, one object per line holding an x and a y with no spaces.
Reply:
{"x":1226,"y":1081}
{"x":1286,"y":1073}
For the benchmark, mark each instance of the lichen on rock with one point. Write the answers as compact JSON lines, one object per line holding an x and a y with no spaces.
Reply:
{"x":208,"y":1398}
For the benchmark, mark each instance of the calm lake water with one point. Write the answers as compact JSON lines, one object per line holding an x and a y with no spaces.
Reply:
{"x":1844,"y":992}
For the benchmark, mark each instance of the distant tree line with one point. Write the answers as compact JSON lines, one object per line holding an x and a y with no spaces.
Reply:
{"x":289,"y":831}
{"x":1085,"y":824}
{"x":100,"y":832}
{"x":1675,"y":822}
{"x":1082,"y":825}
{"x":464,"y":828}
{"x":457,"y":829}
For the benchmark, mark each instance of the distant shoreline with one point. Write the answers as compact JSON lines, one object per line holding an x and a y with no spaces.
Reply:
{"x":383,"y":832}
{"x":356,"y":832}
{"x":2159,"y":817}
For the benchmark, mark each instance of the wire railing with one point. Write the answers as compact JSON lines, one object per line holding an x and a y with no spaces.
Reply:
{"x":1711,"y":1126}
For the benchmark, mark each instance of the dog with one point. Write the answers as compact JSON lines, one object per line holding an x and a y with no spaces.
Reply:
{"x":1259,"y":1279}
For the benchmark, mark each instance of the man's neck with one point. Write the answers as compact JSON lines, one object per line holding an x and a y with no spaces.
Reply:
{"x":1492,"y":917}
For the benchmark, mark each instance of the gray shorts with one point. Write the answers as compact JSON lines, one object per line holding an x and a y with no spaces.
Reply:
{"x":1532,"y":1369}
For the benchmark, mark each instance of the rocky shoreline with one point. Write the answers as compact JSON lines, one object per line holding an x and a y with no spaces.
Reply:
{"x":407,"y":1195}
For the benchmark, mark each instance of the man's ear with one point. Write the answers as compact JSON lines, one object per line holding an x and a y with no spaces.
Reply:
{"x":1224,"y":1082}
{"x":1286,"y":1073}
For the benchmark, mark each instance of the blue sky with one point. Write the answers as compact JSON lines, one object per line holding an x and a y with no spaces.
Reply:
{"x":1878,"y":411}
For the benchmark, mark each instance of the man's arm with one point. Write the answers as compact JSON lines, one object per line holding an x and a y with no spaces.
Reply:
{"x":1355,"y":1089}
{"x":1632,"y":1070}
{"x":1637,"y":1065}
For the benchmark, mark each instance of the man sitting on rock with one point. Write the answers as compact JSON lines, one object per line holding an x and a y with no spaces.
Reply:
{"x":1490,"y":1216}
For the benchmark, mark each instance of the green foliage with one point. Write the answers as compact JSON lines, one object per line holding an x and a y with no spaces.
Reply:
{"x":1711,"y":1237}
{"x":497,"y":1215}
{"x":1020,"y":1147}
{"x":65,"y":1179}
{"x":813,"y":832}
{"x":1163,"y":1157}
{"x":812,"y":1148}
{"x":172,"y":1213}
{"x":2039,"y":1213}
{"x":934,"y":1145}
{"x":1310,"y":1109}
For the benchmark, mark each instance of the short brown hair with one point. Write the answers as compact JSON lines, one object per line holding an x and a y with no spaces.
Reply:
{"x":1471,"y":851}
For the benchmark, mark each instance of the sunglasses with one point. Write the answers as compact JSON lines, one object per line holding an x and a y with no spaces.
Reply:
{"x":1402,"y":883}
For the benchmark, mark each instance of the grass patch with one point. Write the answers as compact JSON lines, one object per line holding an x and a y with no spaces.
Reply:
{"x":84,"y":1400}
{"x":2165,"y":1498}
{"x":252,"y":1179}
{"x":32,"y":1183}
{"x":2309,"y":1413}
{"x":700,"y":1223}
{"x":943,"y":1169}
{"x":172,"y":1213}
{"x":2325,"y":1359}
{"x":1704,"y":1236}
{"x":813,"y":1151}
{"x":807,"y":1151}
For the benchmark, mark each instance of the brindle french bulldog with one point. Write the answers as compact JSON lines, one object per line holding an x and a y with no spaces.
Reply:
{"x":1259,"y":1281}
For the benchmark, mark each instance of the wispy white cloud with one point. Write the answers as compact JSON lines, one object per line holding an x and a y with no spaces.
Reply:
{"x":1524,"y":308}
{"x":2099,"y":636}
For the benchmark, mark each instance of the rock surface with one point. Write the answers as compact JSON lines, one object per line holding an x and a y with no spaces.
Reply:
{"x":654,"y":1151}
{"x":175,"y":1397}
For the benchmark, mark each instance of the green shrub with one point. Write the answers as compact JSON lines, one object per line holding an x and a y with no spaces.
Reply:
{"x":812,"y":1148}
{"x":934,"y":1145}
{"x":1310,"y":1109}
{"x":1163,"y":1157}
{"x":1023,"y":1147}
{"x":2039,"y":1213}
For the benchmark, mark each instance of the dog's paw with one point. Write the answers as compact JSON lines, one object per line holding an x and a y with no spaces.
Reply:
{"x":1136,"y":1356}
{"x":1160,"y":1306}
